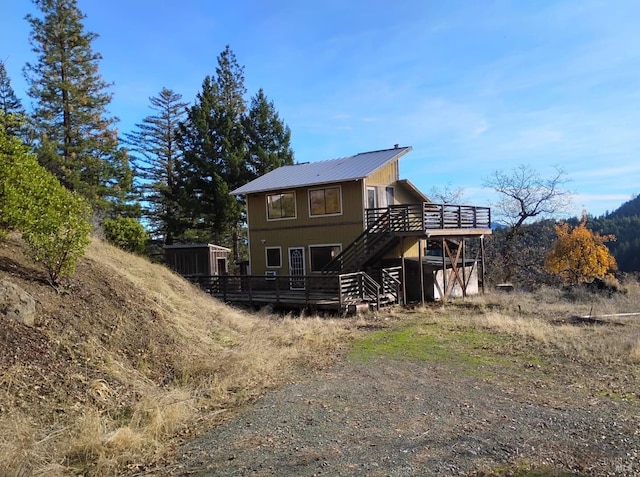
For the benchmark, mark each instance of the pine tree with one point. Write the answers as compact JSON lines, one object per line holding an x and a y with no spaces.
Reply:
{"x":12,"y":116}
{"x":225,"y":146}
{"x":213,"y":144}
{"x":229,"y":110}
{"x":76,"y":140}
{"x":268,"y":138}
{"x":156,"y":155}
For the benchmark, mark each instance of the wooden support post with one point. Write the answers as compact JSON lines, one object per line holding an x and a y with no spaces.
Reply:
{"x":444,"y":272}
{"x":482,"y":260}
{"x":225,"y":282}
{"x":464,"y":269}
{"x":403,"y":272}
{"x":454,"y":268}
{"x":421,"y":267}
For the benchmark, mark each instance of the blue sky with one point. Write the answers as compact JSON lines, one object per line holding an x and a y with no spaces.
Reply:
{"x":472,"y":86}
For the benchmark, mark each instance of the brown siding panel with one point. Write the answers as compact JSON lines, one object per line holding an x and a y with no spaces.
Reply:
{"x":304,"y":230}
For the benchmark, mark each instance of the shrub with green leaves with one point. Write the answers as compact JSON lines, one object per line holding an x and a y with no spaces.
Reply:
{"x":15,"y":166}
{"x":53,"y":221}
{"x":126,"y":233}
{"x":59,"y":235}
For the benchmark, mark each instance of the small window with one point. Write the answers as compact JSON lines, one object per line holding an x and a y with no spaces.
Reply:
{"x":321,"y":255}
{"x":281,"y":206}
{"x":372,"y":198}
{"x":274,"y":257}
{"x":325,"y":201}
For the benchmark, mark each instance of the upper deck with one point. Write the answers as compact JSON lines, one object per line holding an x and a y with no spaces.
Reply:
{"x":430,"y":220}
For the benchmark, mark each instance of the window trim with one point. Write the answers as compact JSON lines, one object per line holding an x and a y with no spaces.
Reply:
{"x":314,"y":216}
{"x":295,"y":205}
{"x":320,"y":245}
{"x":266,"y":257}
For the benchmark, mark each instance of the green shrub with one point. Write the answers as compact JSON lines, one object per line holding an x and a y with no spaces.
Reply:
{"x":60,"y":235}
{"x":126,"y":233}
{"x":52,"y":220}
{"x":15,"y":165}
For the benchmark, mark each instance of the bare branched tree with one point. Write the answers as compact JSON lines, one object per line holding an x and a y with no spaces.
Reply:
{"x":447,"y":194}
{"x":524,"y":194}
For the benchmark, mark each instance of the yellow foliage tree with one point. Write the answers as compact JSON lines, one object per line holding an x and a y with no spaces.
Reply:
{"x":580,"y":255}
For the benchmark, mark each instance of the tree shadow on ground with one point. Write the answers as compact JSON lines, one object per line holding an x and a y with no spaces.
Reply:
{"x":18,"y":270}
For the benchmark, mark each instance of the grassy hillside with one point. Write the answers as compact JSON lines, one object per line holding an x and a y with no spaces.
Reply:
{"x":128,"y":357}
{"x":131,"y":359}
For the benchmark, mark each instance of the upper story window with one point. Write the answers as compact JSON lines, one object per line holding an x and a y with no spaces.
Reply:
{"x":327,"y":201}
{"x":281,"y":206}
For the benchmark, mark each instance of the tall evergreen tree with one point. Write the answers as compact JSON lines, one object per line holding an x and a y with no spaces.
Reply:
{"x":76,"y":140}
{"x":268,"y":138}
{"x":12,"y":117}
{"x":155,"y":157}
{"x":206,"y":195}
{"x":229,"y":110}
{"x":213,"y":144}
{"x":225,"y":146}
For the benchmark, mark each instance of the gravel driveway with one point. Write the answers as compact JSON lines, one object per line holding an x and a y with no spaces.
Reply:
{"x":397,"y":418}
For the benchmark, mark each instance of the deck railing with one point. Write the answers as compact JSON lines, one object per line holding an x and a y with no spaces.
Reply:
{"x":391,"y":283}
{"x":344,"y":289}
{"x":429,"y":216}
{"x":358,"y":287}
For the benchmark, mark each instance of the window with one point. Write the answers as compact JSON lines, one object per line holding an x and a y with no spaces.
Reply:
{"x":321,"y":255}
{"x":274,"y":257}
{"x":372,"y":198}
{"x":281,"y":206}
{"x":325,"y":201}
{"x":391,"y":196}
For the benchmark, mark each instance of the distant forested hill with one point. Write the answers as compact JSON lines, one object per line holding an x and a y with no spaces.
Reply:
{"x":624,"y":223}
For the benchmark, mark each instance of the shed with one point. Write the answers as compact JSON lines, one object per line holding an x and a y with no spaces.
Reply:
{"x":200,"y":259}
{"x":434,"y":283}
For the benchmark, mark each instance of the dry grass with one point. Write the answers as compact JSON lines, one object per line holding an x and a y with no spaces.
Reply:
{"x":140,"y":358}
{"x":159,"y":359}
{"x":560,"y":322}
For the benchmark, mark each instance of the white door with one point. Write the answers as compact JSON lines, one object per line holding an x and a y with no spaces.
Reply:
{"x":296,"y":268}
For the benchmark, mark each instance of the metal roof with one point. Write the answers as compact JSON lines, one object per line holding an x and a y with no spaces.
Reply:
{"x":198,"y":245}
{"x":323,"y":172}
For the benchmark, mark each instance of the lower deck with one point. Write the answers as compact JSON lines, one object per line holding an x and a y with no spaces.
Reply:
{"x":340,"y":293}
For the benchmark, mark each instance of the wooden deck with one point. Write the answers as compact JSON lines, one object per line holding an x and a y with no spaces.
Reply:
{"x":340,"y":293}
{"x":387,"y":226}
{"x":431,"y":220}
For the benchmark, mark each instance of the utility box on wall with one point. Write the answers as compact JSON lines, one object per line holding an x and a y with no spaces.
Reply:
{"x":202,"y":259}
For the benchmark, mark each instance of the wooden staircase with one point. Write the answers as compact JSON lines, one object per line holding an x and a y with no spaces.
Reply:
{"x":366,"y":248}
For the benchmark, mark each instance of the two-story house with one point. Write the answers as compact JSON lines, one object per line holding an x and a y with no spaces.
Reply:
{"x":302,"y":216}
{"x":351,"y":215}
